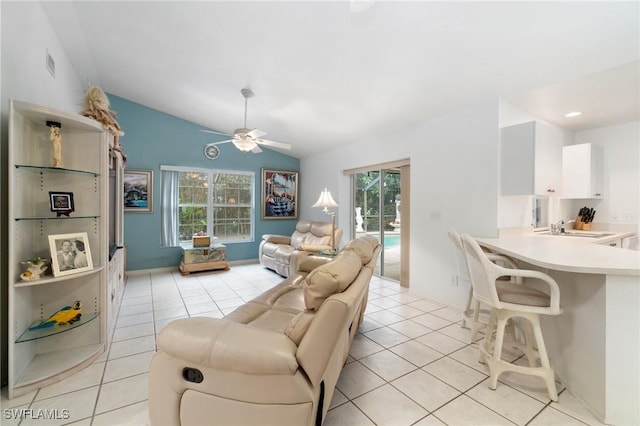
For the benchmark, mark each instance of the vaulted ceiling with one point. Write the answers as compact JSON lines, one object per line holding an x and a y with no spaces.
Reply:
{"x":330,"y":73}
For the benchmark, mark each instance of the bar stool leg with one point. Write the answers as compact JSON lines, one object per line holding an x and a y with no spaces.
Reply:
{"x":466,"y":314}
{"x":530,"y":352}
{"x":495,"y":363}
{"x":548,"y":376}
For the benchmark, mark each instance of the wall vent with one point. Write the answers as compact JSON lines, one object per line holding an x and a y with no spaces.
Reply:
{"x":51,"y":65}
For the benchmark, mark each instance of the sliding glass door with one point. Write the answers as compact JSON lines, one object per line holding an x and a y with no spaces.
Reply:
{"x":377,"y":202}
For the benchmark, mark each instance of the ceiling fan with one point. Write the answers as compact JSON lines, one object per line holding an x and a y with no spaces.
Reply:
{"x":246,"y":139}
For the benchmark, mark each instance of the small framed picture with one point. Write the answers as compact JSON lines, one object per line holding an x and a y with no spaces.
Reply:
{"x":70,"y":253}
{"x":138,"y":191}
{"x":61,"y":202}
{"x":279,"y":194}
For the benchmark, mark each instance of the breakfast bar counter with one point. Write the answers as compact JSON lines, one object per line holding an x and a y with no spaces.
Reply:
{"x":594,"y":345}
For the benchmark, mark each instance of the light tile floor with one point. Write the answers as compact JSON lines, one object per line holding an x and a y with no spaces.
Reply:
{"x":411,"y":364}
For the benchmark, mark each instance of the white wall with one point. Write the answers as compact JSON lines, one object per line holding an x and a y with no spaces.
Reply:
{"x":621,"y":193}
{"x":26,"y":37}
{"x":454,"y":172}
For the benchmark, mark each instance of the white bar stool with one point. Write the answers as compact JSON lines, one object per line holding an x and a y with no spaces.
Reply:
{"x":510,"y":300}
{"x":471,"y":315}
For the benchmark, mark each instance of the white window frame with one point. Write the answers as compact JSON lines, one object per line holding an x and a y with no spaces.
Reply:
{"x":211,"y":206}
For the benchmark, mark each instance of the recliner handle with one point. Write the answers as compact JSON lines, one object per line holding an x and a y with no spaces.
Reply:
{"x":192,"y":375}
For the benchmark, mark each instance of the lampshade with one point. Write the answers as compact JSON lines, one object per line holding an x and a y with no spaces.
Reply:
{"x":325,"y":201}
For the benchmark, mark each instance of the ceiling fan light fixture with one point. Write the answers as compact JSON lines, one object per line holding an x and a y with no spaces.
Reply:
{"x":244,"y":145}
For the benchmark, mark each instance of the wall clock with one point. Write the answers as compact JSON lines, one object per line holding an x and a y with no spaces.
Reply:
{"x":211,"y":152}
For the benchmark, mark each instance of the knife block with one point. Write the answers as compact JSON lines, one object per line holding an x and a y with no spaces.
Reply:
{"x":580,"y":225}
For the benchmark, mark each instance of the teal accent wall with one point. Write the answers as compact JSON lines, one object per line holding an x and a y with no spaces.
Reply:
{"x":153,"y":138}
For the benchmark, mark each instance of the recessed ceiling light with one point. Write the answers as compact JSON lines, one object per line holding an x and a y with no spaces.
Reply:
{"x":573,"y":114}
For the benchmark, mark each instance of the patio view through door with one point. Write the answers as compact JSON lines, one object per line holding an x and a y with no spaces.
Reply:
{"x":378,"y":197}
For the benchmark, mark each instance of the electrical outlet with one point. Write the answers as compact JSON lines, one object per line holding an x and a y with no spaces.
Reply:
{"x":629,"y":218}
{"x":615,"y":217}
{"x":435,"y":215}
{"x":454,"y":280}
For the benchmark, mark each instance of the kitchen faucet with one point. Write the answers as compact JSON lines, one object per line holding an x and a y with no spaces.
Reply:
{"x":560,"y":226}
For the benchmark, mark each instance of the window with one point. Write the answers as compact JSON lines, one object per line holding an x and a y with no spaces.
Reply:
{"x":212,"y":202}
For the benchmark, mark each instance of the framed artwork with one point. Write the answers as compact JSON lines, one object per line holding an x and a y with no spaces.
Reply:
{"x":138,"y":191}
{"x":70,"y":253}
{"x":279,"y":194}
{"x":61,"y":202}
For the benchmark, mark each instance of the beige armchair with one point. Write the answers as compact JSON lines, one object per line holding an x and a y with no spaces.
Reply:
{"x":283,"y":254}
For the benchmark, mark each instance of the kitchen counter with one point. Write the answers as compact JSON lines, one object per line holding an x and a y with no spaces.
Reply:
{"x":566,"y":253}
{"x":594,"y":345}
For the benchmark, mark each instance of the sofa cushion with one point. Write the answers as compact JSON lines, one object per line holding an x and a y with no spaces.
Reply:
{"x":273,"y":320}
{"x":311,"y":234}
{"x":311,"y":240}
{"x":292,"y":301}
{"x":299,"y":325}
{"x":331,"y":278}
{"x":321,"y":229}
{"x":303,"y":227}
{"x":363,"y":247}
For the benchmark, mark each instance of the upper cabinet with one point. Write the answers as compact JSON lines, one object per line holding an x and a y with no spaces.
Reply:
{"x":582,"y":172}
{"x":530,"y":159}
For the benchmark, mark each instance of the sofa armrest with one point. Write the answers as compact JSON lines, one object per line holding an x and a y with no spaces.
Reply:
{"x":277,"y":239}
{"x":223,"y":344}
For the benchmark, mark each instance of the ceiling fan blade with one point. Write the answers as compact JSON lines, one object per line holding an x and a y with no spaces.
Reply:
{"x":214,"y":132}
{"x":274,"y":144}
{"x":256,"y":133}
{"x":256,"y":150}
{"x":219,"y":142}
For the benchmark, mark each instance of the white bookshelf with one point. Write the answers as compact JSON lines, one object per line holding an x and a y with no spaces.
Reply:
{"x":38,"y":358}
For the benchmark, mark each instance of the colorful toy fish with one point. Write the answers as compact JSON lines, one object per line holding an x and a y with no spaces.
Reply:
{"x":66,"y":315}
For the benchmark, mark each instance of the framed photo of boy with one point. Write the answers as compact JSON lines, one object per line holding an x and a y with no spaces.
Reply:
{"x":279,"y":194}
{"x":138,"y":191}
{"x":70,"y":253}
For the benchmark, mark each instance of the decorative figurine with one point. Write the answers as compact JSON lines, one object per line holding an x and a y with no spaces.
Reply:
{"x":66,"y":315}
{"x":359,"y":220}
{"x":35,"y":268}
{"x":56,"y":142}
{"x":396,"y":222}
{"x":96,"y":106}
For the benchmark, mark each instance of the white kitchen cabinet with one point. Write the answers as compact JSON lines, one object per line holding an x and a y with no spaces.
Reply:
{"x":37,"y":358}
{"x":530,"y":159}
{"x":582,"y":173}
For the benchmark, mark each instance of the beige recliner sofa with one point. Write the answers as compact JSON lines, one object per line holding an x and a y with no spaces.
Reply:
{"x":274,"y":360}
{"x":284,"y":254}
